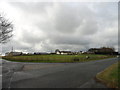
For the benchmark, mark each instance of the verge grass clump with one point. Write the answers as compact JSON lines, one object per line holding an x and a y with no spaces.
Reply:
{"x":110,"y":76}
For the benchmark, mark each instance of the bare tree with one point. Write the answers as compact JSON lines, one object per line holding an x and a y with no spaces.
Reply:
{"x":6,"y":29}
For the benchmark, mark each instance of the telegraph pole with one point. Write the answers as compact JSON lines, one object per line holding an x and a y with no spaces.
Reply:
{"x":12,"y":49}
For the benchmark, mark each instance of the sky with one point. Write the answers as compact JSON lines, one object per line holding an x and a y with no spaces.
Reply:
{"x":74,"y":26}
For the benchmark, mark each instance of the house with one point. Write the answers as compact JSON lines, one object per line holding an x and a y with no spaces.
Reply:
{"x":30,"y":53}
{"x":65,"y":52}
{"x":57,"y":51}
{"x":41,"y":53}
{"x":13,"y":53}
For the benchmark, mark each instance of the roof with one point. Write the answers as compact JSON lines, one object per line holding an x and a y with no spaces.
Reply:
{"x":66,"y":51}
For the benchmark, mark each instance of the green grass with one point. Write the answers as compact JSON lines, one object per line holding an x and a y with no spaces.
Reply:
{"x":55,"y":58}
{"x":110,"y":76}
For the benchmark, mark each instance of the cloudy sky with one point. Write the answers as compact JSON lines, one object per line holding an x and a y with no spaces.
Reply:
{"x":75,"y":26}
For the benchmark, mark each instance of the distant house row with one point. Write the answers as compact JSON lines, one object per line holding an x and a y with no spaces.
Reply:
{"x":102,"y":50}
{"x":13,"y":53}
{"x":57,"y":51}
{"x":21,"y":53}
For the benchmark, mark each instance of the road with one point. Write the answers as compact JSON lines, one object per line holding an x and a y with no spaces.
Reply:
{"x":53,"y":75}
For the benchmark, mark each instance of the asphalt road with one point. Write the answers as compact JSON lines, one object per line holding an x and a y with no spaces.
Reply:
{"x":53,"y":75}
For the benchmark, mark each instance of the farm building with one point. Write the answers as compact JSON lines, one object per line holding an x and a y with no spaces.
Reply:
{"x":57,"y":51}
{"x":65,"y":52}
{"x":41,"y":53}
{"x":13,"y":53}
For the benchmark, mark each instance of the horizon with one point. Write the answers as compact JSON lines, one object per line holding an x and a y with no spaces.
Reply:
{"x":13,"y":50}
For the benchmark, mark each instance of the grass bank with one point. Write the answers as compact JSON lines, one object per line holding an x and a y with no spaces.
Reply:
{"x":56,"y":58}
{"x":109,"y":76}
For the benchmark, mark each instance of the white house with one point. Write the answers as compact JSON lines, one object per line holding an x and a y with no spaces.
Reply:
{"x":57,"y":51}
{"x":65,"y":52}
{"x":62,"y":52}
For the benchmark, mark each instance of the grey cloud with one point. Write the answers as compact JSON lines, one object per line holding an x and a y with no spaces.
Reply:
{"x":69,"y":40}
{"x":71,"y":26}
{"x":31,"y":38}
{"x":88,"y":28}
{"x":32,"y":7}
{"x":16,"y":46}
{"x":66,"y":19}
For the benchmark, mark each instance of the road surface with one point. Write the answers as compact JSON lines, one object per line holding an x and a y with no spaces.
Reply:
{"x":53,"y":75}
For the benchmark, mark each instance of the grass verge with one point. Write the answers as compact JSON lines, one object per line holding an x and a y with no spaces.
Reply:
{"x":109,"y":76}
{"x":56,"y":58}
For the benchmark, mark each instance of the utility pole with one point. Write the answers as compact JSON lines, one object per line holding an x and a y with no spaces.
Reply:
{"x":12,"y":49}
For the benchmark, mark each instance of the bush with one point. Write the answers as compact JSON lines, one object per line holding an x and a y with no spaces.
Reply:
{"x":76,"y":59}
{"x":87,"y":57}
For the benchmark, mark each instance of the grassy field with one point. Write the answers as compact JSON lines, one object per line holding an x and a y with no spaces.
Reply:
{"x":110,"y":76}
{"x":56,"y":58}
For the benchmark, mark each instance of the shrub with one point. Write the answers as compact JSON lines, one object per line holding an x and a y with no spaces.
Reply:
{"x":76,"y":59}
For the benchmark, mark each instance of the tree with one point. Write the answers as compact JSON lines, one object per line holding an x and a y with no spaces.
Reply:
{"x":6,"y":29}
{"x":103,"y":50}
{"x":57,"y":50}
{"x":107,"y":49}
